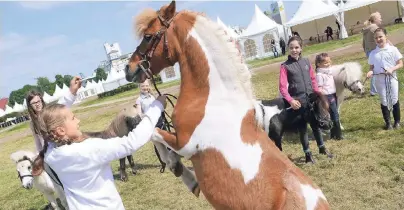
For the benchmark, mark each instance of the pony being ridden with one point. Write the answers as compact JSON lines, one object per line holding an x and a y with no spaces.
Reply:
{"x":236,"y":164}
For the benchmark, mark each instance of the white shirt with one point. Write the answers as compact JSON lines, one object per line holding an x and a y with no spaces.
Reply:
{"x":386,"y":58}
{"x":144,"y":100}
{"x":84,"y":168}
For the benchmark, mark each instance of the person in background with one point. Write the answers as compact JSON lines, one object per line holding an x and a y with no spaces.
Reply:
{"x":36,"y":103}
{"x":282,"y":45}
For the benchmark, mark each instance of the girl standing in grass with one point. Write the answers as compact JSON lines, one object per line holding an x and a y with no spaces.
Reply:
{"x":326,"y":85}
{"x":298,"y":73}
{"x":384,"y":61}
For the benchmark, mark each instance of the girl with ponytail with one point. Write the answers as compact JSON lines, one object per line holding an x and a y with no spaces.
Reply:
{"x":82,"y":163}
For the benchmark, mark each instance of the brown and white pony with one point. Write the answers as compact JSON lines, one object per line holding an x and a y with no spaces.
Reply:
{"x":235,"y":163}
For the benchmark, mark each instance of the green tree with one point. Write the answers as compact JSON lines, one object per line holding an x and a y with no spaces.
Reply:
{"x":100,"y":74}
{"x":45,"y":85}
{"x":67,"y":79}
{"x":18,"y":96}
{"x":59,"y":80}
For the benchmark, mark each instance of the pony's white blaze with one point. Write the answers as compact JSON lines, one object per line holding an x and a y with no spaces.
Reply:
{"x":227,"y":104}
{"x":311,"y":196}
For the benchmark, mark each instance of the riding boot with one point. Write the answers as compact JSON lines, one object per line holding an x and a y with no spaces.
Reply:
{"x":396,"y":115}
{"x":338,"y":131}
{"x":333,"y":133}
{"x":309,"y":157}
{"x":386,"y":117}
{"x":324,"y":151}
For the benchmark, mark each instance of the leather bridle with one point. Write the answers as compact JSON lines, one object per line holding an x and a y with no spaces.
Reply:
{"x":25,"y":175}
{"x":149,"y":44}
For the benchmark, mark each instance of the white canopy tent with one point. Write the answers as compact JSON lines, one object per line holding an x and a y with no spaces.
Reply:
{"x":353,"y":4}
{"x":340,"y":16}
{"x":254,"y":40}
{"x":2,"y":113}
{"x":312,"y":10}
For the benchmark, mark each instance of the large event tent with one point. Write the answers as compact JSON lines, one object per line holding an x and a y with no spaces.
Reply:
{"x":311,"y":10}
{"x":255,"y":40}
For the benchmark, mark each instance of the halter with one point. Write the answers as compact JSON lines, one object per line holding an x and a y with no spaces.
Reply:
{"x":25,"y":158}
{"x":148,"y":46}
{"x":352,"y":84}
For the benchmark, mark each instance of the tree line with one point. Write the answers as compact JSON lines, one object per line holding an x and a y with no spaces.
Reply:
{"x":43,"y":84}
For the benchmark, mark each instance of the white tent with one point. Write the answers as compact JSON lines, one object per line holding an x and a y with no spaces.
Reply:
{"x":252,"y":38}
{"x":46,"y":97}
{"x":312,"y":10}
{"x":2,"y":113}
{"x":18,"y":107}
{"x":353,"y":4}
{"x":8,"y":110}
{"x":228,"y":30}
{"x":340,"y":16}
{"x":260,"y":23}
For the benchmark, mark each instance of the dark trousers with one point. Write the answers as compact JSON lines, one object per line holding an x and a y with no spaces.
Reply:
{"x":302,"y":126}
{"x":283,"y":50}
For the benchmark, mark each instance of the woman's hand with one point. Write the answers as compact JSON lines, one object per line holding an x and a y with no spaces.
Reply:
{"x":163,"y":100}
{"x":295,"y":104}
{"x":389,"y":71}
{"x":369,"y":74}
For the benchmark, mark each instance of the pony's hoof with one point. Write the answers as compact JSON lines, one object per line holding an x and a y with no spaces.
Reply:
{"x":134,"y":172}
{"x":196,"y":190}
{"x":178,"y":169}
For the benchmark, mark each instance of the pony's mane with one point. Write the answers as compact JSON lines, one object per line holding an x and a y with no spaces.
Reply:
{"x":348,"y":72}
{"x":240,"y":69}
{"x":143,"y":21}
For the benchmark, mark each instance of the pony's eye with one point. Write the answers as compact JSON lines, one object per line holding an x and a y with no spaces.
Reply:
{"x":29,"y":167}
{"x":147,"y":37}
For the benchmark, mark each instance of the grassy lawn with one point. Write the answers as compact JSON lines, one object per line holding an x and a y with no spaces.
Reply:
{"x":127,"y":94}
{"x":321,"y":47}
{"x":17,"y":128}
{"x":367,"y":172}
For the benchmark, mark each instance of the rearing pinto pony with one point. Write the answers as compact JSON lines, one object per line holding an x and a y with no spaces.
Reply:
{"x":235,"y":163}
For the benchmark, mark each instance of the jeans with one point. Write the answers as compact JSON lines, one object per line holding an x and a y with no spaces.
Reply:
{"x":302,"y":127}
{"x":332,"y":101}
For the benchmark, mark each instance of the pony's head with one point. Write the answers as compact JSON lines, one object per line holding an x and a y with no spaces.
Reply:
{"x":156,"y":51}
{"x":23,"y":160}
{"x":319,"y":111}
{"x":355,"y":87}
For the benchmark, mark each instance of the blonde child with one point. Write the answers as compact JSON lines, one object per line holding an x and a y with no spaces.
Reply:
{"x":326,"y":85}
{"x":384,"y":61}
{"x":83,"y":164}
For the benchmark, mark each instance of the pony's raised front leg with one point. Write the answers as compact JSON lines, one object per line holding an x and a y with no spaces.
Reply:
{"x":52,"y":199}
{"x":132,"y":164}
{"x":174,"y":163}
{"x":340,"y":99}
{"x":122,"y":170}
{"x":61,"y":194}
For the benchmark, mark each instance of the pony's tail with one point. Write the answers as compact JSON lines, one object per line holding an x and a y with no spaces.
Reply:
{"x":38,"y":164}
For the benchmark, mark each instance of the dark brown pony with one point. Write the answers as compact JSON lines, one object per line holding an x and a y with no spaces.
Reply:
{"x":236,"y":164}
{"x":126,"y":120}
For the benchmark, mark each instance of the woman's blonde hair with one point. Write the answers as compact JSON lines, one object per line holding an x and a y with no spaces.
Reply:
{"x":372,"y":18}
{"x":50,"y":118}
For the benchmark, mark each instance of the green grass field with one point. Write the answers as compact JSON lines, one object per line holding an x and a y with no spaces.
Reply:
{"x":367,"y":172}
